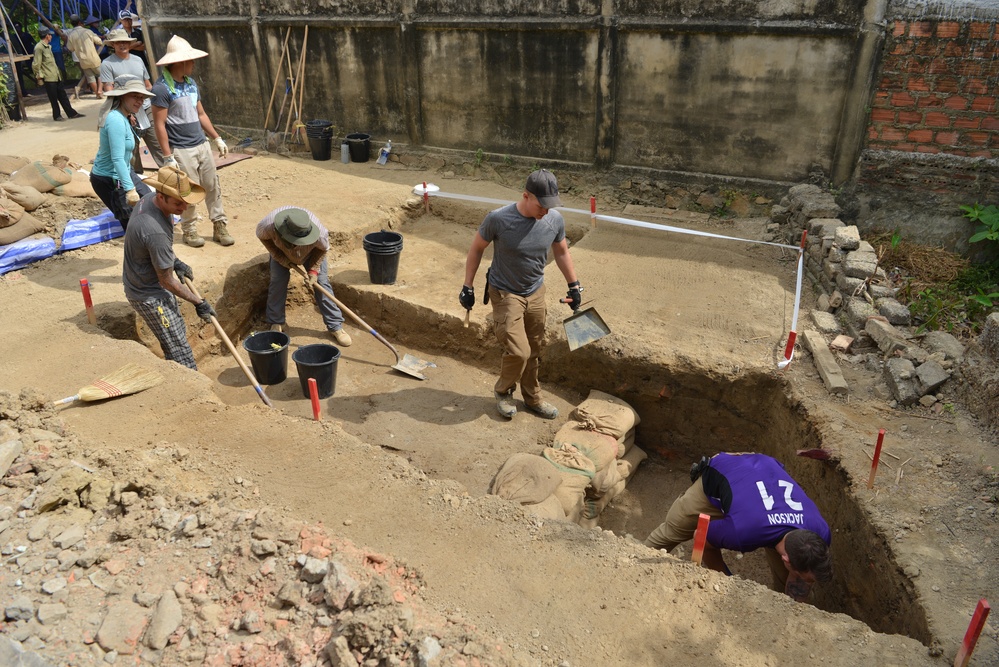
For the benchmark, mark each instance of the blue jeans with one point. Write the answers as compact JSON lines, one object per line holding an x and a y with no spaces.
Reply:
{"x":277,"y":294}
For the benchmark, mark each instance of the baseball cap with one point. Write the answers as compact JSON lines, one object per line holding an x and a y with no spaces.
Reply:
{"x":125,"y":14}
{"x":542,"y":184}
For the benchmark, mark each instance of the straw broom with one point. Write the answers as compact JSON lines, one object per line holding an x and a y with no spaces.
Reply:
{"x":129,"y":379}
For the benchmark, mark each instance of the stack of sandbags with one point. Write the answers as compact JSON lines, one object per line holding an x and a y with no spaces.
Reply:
{"x":30,"y":185}
{"x":11,"y":163}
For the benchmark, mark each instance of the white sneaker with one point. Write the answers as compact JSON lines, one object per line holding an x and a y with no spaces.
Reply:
{"x":341,"y":337}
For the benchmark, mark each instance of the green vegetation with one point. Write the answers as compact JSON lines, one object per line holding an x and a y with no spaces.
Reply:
{"x":479,"y":156}
{"x":988,"y":219}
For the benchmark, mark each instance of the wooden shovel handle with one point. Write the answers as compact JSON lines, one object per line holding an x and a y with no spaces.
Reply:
{"x":232,"y":350}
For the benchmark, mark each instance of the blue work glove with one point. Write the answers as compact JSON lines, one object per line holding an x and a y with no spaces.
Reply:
{"x":467,"y":297}
{"x":205,"y":311}
{"x":574,"y":297}
{"x":182,"y":270}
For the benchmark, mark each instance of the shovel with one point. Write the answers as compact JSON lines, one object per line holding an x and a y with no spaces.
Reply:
{"x":584,"y":326}
{"x":408,"y":364}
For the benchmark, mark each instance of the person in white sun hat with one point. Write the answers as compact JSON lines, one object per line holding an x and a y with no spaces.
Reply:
{"x":181,"y":126}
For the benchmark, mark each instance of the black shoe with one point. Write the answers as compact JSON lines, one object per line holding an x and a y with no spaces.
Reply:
{"x":78,"y":115}
{"x":58,"y":118}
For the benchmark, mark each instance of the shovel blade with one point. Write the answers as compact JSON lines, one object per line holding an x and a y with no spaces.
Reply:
{"x":413,"y":366}
{"x":584,"y":327}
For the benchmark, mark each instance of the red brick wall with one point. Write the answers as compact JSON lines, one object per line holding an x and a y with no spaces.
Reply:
{"x":938,"y":89}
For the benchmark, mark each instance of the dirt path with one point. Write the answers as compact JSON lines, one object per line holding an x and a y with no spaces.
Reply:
{"x":561,"y":594}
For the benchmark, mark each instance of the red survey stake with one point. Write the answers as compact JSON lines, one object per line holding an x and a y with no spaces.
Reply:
{"x":877,"y":457}
{"x":700,"y":537}
{"x":314,"y":395}
{"x":87,"y":301}
{"x":971,"y":636}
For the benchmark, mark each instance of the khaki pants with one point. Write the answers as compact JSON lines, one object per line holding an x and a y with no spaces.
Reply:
{"x":519,"y":325}
{"x":199,"y":165}
{"x":681,"y":524}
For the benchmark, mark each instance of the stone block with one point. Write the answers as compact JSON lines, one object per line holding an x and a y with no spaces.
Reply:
{"x":896,"y":313}
{"x":888,"y":338}
{"x":931,"y":375}
{"x":836,"y":255}
{"x":900,"y":376}
{"x":779,"y":214}
{"x":822,"y":303}
{"x":825,"y":322}
{"x":859,"y":311}
{"x":989,"y":338}
{"x":865,"y":247}
{"x":825,"y":362}
{"x":122,"y":627}
{"x":941,"y":341}
{"x":835,"y":299}
{"x":847,"y":237}
{"x":821,"y":206}
{"x":862,"y":265}
{"x":841,"y":343}
{"x":881,"y":291}
{"x":820,"y":227}
{"x":9,"y":451}
{"x":831,"y":269}
{"x":847,"y":285}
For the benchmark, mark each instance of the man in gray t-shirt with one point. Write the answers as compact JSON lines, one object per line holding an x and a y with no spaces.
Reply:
{"x":151,"y":274}
{"x":521,"y":234}
{"x":122,"y":62}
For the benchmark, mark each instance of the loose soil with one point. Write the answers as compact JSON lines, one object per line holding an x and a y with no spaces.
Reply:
{"x":697,"y":327}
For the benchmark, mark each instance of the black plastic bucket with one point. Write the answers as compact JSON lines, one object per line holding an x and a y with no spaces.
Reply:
{"x":320,"y":134}
{"x":317,"y":361}
{"x":270,"y":364}
{"x":383,"y":249}
{"x":360,"y":146}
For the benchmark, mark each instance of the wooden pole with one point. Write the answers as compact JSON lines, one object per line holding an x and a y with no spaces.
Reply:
{"x":974,"y":631}
{"x":13,"y":65}
{"x":295,"y":82}
{"x":277,"y":77}
{"x":875,"y":459}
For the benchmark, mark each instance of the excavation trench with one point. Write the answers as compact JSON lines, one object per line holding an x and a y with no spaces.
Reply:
{"x":447,"y":427}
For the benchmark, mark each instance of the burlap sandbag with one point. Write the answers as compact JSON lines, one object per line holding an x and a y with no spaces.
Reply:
{"x":526,"y":479}
{"x":10,"y":211}
{"x":571,"y":492}
{"x":549,"y":508}
{"x":41,"y":177}
{"x":11,"y":163}
{"x":570,"y":459}
{"x":625,"y":444}
{"x":627,"y":465}
{"x":79,"y":186}
{"x":607,"y":414}
{"x":593,"y":507}
{"x":26,"y":226}
{"x":604,"y":480}
{"x":598,"y":447}
{"x":25,"y":195}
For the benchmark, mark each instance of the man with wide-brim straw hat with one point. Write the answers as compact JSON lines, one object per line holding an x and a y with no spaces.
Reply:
{"x":123,"y":63}
{"x":151,"y":274}
{"x":112,"y":177}
{"x":183,"y":129}
{"x":295,"y":237}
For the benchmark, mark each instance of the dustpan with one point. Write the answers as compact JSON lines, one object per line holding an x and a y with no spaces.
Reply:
{"x":583,"y":327}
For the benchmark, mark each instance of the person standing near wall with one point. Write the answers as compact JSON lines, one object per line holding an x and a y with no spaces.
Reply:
{"x":181,"y":127}
{"x":124,"y":63}
{"x":138,"y":45}
{"x":82,"y":42}
{"x":522,"y":234}
{"x":47,"y":74}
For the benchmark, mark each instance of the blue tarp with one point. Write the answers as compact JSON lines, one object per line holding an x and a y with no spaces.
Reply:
{"x":59,"y":10}
{"x":78,"y":233}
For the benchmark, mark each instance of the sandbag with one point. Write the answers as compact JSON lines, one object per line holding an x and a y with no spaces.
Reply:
{"x":26,"y":226}
{"x":627,"y":465}
{"x":549,"y":508}
{"x":598,"y":447}
{"x":571,"y":492}
{"x":607,"y":414}
{"x":526,"y":479}
{"x":604,"y":480}
{"x":40,"y":177}
{"x":570,"y":459}
{"x":11,"y":163}
{"x":79,"y":186}
{"x":625,"y":444}
{"x":593,"y":507}
{"x":28,"y":197}
{"x":10,"y":211}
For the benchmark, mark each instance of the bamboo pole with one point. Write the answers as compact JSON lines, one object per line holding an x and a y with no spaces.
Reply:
{"x":13,"y":65}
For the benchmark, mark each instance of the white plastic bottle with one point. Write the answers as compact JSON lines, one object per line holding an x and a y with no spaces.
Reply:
{"x":383,"y":153}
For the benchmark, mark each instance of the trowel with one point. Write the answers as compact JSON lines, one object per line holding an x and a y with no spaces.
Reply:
{"x":584,"y":326}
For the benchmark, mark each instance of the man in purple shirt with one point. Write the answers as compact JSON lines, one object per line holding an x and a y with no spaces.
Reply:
{"x":753,"y":503}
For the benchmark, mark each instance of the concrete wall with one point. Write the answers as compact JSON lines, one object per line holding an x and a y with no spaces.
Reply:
{"x":734,"y":88}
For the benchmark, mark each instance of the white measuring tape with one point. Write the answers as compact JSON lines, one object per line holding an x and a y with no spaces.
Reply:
{"x":427,"y":190}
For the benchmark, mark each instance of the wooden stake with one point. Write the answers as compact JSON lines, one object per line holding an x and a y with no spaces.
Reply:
{"x":875,"y":459}
{"x":87,"y":301}
{"x":974,"y":631}
{"x":277,"y":77}
{"x":593,"y":212}
{"x":700,"y":538}
{"x":296,"y":83}
{"x":314,"y":395}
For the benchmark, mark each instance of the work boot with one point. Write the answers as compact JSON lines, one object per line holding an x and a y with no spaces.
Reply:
{"x":221,"y":235}
{"x":341,"y":337}
{"x":277,"y":327}
{"x":193,"y":239}
{"x":544,"y":409}
{"x":505,"y":405}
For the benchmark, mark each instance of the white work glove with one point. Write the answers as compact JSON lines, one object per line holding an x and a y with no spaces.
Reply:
{"x":220,"y":144}
{"x":132,"y":197}
{"x":170,"y":161}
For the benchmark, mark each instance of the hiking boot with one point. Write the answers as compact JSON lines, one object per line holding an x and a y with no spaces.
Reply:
{"x":544,"y":409}
{"x":505,"y":405}
{"x":277,"y":327}
{"x":341,"y":337}
{"x":193,"y":239}
{"x":221,"y":235}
